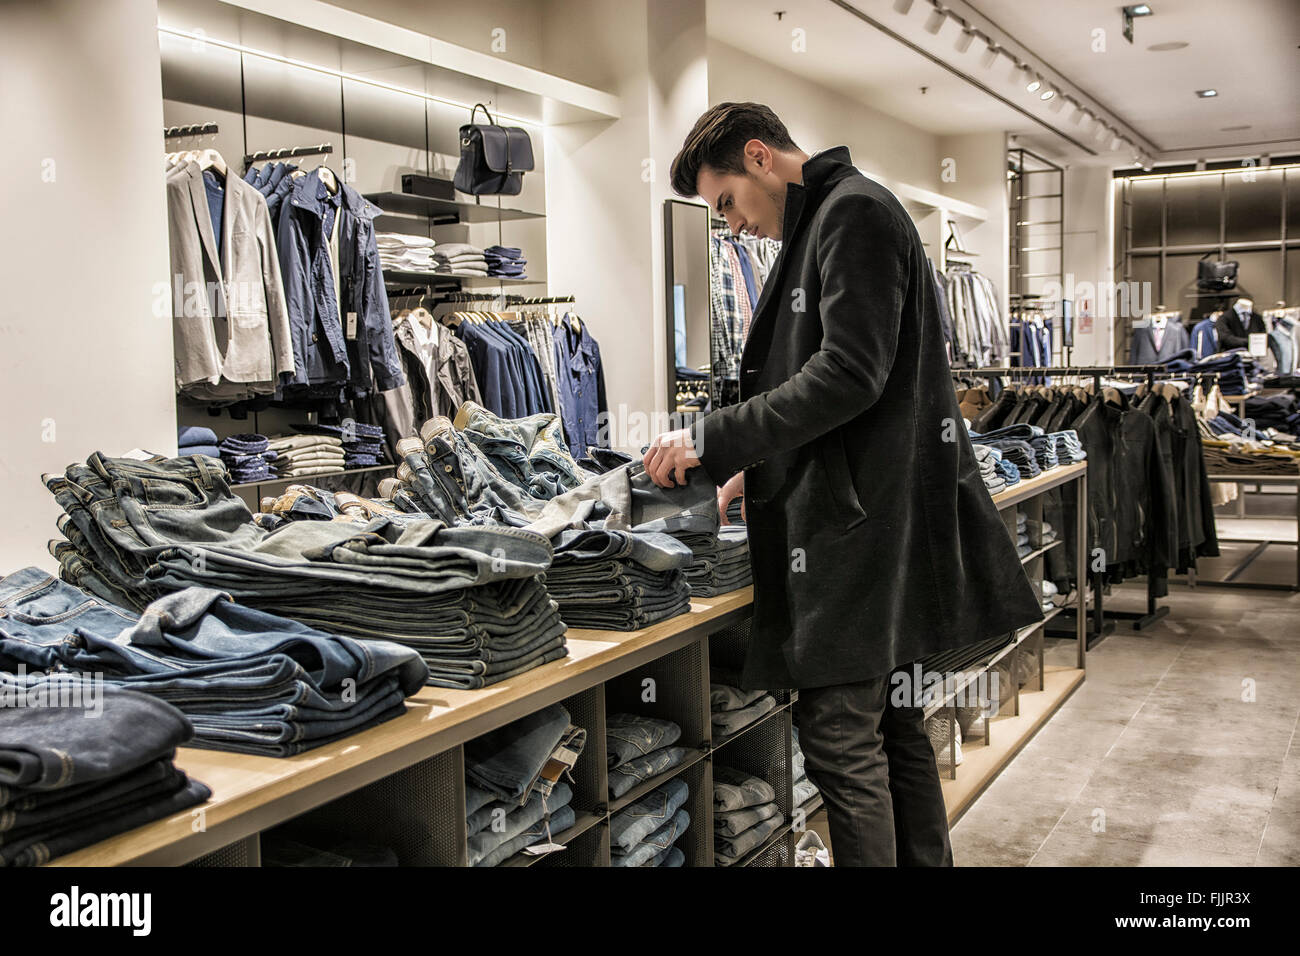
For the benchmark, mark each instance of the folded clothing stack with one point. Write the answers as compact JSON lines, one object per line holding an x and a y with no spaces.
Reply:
{"x":506,"y":261}
{"x":617,"y":580}
{"x":97,"y":763}
{"x":403,"y":253}
{"x":1044,"y":447}
{"x":197,"y":440}
{"x":1068,"y":447}
{"x":804,"y":789}
{"x":362,"y":443}
{"x":644,"y":833}
{"x":1022,"y":534}
{"x":248,"y":457}
{"x":639,"y":748}
{"x":297,"y":456}
{"x":733,"y":709}
{"x":987,"y":458}
{"x":1049,"y":591}
{"x":514,"y":794}
{"x":470,"y":600}
{"x":250,"y":682}
{"x":459,"y":258}
{"x":722,"y":564}
{"x":744,"y":814}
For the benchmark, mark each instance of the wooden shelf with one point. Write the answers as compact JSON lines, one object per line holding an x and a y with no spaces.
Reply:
{"x":1029,"y":487}
{"x":446,"y":211}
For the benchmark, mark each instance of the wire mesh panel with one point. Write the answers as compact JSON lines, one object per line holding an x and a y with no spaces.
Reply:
{"x":765,"y":752}
{"x":590,"y":774}
{"x":588,"y":848}
{"x":673,"y":687}
{"x":241,"y":853}
{"x":418,"y":812}
{"x":780,"y":853}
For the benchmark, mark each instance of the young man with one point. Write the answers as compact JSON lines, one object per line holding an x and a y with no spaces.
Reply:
{"x":873,"y":540}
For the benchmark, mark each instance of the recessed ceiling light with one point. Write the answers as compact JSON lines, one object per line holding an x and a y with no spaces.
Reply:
{"x":1206,"y":94}
{"x":1165,"y":47}
{"x":1234,"y":129}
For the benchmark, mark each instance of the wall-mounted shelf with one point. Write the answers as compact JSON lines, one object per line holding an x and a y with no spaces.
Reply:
{"x":453,"y":281}
{"x":446,"y":211}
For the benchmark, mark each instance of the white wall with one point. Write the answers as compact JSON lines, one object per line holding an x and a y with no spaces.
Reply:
{"x":85,"y":364}
{"x":979,"y":163}
{"x":1088,"y":257}
{"x":818,"y":117}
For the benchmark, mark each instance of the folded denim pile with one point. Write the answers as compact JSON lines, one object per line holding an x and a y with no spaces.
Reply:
{"x":250,"y":682}
{"x":514,"y":792}
{"x":721,"y":562}
{"x":1013,"y":441}
{"x":1234,"y":368}
{"x":1044,"y":447}
{"x":197,"y":440}
{"x":987,"y":458}
{"x":744,"y":814}
{"x":248,"y":457}
{"x":616,"y":565}
{"x":505,"y":261}
{"x":362,"y":442}
{"x":459,"y":258}
{"x":733,"y":709}
{"x":1022,"y":534}
{"x":404,"y":253}
{"x":297,"y":456}
{"x":1049,"y":591}
{"x":639,"y":748}
{"x":81,"y":762}
{"x":644,"y":832}
{"x":1068,"y":447}
{"x":470,"y":600}
{"x":804,"y":789}
{"x":1279,"y":413}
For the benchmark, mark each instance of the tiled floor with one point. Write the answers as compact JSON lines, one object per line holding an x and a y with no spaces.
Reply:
{"x":1180,"y":749}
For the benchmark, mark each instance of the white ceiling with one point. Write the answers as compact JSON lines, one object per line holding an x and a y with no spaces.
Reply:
{"x":1246,"y":49}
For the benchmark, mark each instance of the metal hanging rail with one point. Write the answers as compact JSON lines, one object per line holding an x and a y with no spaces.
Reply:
{"x":287,"y":152}
{"x":199,"y":129}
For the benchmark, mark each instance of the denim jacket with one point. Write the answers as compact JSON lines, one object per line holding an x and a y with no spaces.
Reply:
{"x":324,"y":352}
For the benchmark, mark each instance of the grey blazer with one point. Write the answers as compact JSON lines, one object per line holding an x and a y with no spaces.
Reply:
{"x":228,"y":300}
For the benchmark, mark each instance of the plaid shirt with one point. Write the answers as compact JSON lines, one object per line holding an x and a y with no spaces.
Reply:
{"x":725,"y":322}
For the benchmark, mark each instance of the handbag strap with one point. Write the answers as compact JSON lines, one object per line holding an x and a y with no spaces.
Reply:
{"x":474,"y":112}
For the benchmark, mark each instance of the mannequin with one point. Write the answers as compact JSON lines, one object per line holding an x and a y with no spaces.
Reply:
{"x":1236,"y":324}
{"x":1162,"y":339}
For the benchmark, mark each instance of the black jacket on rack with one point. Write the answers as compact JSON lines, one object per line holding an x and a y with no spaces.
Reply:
{"x":873,"y":540}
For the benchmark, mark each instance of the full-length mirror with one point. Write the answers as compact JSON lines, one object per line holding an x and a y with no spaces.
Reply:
{"x":686,"y":294}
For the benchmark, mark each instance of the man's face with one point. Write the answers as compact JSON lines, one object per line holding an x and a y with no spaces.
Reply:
{"x":753,"y":203}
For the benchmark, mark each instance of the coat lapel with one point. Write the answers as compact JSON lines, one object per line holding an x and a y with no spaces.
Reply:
{"x":199,"y":200}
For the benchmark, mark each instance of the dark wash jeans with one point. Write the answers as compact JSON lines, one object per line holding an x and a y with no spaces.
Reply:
{"x":875,"y":768}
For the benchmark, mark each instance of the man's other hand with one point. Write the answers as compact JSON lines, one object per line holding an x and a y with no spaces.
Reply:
{"x":668,"y":457}
{"x":734,"y":488}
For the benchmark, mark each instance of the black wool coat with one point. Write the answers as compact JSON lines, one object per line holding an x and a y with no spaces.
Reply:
{"x":873,"y":539}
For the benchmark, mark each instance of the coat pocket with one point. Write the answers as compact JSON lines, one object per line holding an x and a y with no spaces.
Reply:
{"x":840,"y":477}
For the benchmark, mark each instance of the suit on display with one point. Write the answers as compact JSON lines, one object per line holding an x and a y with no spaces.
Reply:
{"x":1234,"y":328}
{"x":873,"y":540}
{"x":1155,"y":346}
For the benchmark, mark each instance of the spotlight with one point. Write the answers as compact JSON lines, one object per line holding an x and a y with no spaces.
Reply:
{"x":1116,"y":142}
{"x":1019,"y":72}
{"x":964,"y":40}
{"x":1058,"y":104}
{"x":903,"y":6}
{"x":1102,"y":131}
{"x":1047,"y":94}
{"x":938,"y":16}
{"x":1033,"y":85}
{"x":990,"y":56}
{"x":1206,"y":94}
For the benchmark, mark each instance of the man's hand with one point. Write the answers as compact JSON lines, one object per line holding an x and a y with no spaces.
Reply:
{"x":668,"y":457}
{"x":734,"y":488}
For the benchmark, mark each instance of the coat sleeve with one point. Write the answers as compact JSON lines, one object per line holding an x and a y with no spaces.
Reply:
{"x":295,"y":267}
{"x":277,"y":312}
{"x":863,"y":254}
{"x":384,"y":363}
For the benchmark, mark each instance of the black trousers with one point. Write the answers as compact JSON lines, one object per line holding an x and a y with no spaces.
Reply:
{"x":875,"y":768}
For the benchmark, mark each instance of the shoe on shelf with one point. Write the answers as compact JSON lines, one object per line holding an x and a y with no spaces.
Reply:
{"x":811,"y":851}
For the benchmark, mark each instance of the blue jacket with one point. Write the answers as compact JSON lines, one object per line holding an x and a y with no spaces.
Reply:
{"x":324,"y":352}
{"x":1205,"y":338}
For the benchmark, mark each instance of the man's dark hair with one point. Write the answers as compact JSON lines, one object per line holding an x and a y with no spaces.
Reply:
{"x":718,"y":141}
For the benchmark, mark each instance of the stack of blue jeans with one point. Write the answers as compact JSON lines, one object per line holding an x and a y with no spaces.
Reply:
{"x":506,"y":261}
{"x":81,"y":762}
{"x":1068,"y":447}
{"x":362,"y":443}
{"x":514,"y":796}
{"x":733,"y":709}
{"x":643,"y":833}
{"x":988,"y":458}
{"x":469,"y":599}
{"x":197,"y":440}
{"x":1231,"y":367}
{"x":639,"y":748}
{"x":247,"y":457}
{"x":250,"y":682}
{"x":744,"y":814}
{"x":804,"y":789}
{"x":1044,"y":447}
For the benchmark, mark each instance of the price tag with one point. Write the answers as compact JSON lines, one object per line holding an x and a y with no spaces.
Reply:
{"x":352,"y":325}
{"x":1258,"y":343}
{"x":541,"y":849}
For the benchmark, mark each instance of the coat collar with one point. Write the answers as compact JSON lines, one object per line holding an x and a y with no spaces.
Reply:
{"x":203,"y":215}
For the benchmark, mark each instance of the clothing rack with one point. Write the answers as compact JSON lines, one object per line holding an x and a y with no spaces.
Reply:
{"x":540,"y":300}
{"x":198,"y":129}
{"x":287,"y":152}
{"x":1154,"y":611}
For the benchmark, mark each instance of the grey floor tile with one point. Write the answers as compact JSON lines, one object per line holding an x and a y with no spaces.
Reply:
{"x":1281,"y":843}
{"x":1084,"y":848}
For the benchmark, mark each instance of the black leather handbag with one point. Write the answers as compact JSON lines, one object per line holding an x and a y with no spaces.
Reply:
{"x":493,"y":159}
{"x":1216,"y":276}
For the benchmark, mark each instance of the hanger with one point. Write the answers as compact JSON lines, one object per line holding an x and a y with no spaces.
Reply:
{"x":326,"y":175}
{"x":211,"y":159}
